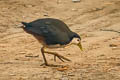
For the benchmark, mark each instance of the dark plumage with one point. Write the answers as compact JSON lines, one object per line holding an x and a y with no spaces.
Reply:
{"x":52,"y":31}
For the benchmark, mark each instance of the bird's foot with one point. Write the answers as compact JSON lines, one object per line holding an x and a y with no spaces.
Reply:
{"x":58,"y":57}
{"x":50,"y":65}
{"x":62,"y":58}
{"x":44,"y":64}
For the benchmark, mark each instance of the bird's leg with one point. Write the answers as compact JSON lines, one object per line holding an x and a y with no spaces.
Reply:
{"x":42,"y":50}
{"x":56,"y":55}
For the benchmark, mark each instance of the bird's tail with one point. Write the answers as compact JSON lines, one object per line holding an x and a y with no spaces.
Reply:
{"x":24,"y":23}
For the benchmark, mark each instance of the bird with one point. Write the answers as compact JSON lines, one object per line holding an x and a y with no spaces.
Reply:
{"x":52,"y":33}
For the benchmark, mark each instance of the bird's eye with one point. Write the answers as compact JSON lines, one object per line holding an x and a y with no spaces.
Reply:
{"x":78,"y":40}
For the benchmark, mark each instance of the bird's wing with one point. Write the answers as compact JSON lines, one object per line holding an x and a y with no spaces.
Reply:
{"x":60,"y":25}
{"x":52,"y":34}
{"x":50,"y":21}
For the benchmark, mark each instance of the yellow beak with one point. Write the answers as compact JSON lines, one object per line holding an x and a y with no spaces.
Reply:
{"x":80,"y":46}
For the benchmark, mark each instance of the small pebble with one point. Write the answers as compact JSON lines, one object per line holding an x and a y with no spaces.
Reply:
{"x":31,"y":55}
{"x":22,"y":52}
{"x":46,"y":14}
{"x":74,"y":9}
{"x":64,"y":78}
{"x":75,"y":0}
{"x":113,"y":45}
{"x":12,"y":75}
{"x":71,"y":74}
{"x":117,"y":64}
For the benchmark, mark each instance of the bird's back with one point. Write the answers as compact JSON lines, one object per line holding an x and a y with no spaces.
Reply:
{"x":50,"y":21}
{"x":55,"y":31}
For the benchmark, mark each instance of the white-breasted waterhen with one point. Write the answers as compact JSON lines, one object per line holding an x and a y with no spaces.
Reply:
{"x":52,"y":33}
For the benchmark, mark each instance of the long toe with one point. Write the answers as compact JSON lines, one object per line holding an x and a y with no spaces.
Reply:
{"x":57,"y":55}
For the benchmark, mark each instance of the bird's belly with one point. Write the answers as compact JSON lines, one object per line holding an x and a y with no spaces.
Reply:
{"x":56,"y":46}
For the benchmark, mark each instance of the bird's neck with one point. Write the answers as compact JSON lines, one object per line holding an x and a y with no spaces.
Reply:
{"x":74,"y":35}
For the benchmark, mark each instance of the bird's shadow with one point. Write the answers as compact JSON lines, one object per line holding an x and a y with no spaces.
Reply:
{"x":52,"y":65}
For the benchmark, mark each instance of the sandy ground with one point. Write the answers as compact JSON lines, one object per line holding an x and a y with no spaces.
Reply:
{"x":97,"y":21}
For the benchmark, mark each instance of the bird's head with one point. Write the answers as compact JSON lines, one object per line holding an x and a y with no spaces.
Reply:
{"x":76,"y":40}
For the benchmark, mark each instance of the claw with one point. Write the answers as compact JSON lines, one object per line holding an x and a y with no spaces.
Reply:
{"x":54,"y":58}
{"x":61,"y":59}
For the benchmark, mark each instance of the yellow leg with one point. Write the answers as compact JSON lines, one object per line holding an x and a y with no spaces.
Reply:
{"x":62,"y":58}
{"x":42,"y":50}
